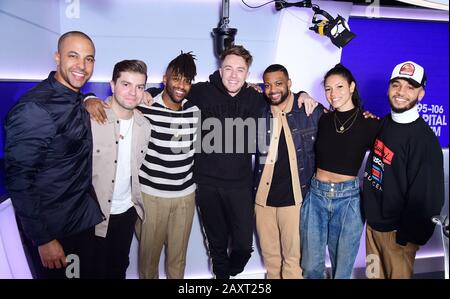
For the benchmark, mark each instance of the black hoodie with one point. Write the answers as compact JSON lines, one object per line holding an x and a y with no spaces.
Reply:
{"x":220,"y":164}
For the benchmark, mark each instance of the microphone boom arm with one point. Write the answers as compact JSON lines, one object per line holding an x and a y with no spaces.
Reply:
{"x":224,"y":36}
{"x":225,"y":14}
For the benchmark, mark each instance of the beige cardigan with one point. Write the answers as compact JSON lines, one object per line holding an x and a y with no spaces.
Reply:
{"x":105,"y":145}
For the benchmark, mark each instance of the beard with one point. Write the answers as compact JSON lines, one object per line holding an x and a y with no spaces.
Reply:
{"x":282,"y":99}
{"x":403,"y":109}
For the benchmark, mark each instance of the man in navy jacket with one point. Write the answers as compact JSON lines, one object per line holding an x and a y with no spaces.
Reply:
{"x":48,"y":163}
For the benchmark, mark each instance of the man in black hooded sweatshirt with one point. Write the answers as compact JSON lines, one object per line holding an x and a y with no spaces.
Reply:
{"x":223,"y":168}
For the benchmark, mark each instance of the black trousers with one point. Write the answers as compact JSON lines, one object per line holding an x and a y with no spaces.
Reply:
{"x":112,"y":252}
{"x":227,"y":217}
{"x":80,"y":244}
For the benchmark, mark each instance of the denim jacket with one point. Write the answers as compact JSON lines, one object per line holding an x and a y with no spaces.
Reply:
{"x":303,"y":130}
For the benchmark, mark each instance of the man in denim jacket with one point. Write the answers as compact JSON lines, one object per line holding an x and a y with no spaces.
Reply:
{"x":284,"y":167}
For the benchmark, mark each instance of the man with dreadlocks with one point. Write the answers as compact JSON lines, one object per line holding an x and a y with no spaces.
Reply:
{"x":167,"y":185}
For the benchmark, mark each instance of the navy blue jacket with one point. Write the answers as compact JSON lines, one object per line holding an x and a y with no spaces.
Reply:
{"x":304,"y":131}
{"x":48,"y":163}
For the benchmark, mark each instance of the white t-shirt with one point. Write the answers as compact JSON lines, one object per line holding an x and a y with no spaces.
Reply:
{"x":121,"y":200}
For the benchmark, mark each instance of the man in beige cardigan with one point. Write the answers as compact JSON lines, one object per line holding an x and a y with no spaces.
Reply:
{"x":119,"y":148}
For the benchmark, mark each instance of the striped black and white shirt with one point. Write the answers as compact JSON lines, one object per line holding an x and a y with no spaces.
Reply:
{"x":168,"y":165}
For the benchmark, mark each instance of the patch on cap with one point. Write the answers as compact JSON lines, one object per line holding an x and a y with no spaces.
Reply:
{"x":410,"y":71}
{"x":407,"y":69}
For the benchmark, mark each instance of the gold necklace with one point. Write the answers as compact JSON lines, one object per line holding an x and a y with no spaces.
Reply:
{"x":342,"y":128}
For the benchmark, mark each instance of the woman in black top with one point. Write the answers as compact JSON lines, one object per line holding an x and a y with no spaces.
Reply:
{"x":331,"y":213}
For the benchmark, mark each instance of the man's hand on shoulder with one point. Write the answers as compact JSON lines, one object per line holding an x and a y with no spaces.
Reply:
{"x":96,"y":109}
{"x":309,"y":102}
{"x":368,"y":114}
{"x":148,"y":99}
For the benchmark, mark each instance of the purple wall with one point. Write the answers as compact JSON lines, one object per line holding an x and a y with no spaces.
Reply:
{"x":382,"y":44}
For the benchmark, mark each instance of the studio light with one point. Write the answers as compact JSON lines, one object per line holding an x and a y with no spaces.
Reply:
{"x":224,"y":36}
{"x":336,"y":29}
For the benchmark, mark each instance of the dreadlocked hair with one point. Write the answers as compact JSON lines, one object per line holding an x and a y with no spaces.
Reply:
{"x":183,"y":65}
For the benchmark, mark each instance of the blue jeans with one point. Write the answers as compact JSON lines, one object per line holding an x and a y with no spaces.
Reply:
{"x":330,"y":215}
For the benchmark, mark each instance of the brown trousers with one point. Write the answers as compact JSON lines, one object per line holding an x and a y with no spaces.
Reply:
{"x":279,"y":237}
{"x":168,"y":221}
{"x":385,"y":259}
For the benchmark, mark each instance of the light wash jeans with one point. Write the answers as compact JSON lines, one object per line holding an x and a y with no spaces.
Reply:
{"x":330,"y":215}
